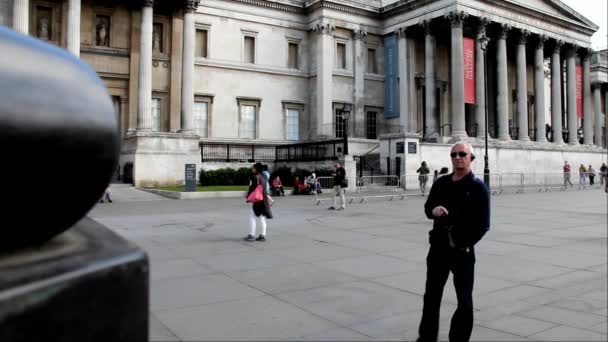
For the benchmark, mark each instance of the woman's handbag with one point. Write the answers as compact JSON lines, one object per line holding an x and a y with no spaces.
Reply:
{"x":256,"y":195}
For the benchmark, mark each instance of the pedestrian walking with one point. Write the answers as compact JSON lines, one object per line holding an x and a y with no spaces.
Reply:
{"x":567,"y":169}
{"x":260,"y":205}
{"x":591,"y":174}
{"x":106,"y":196}
{"x":444,"y":171}
{"x":266,"y":175}
{"x":423,"y":177}
{"x":582,"y":175}
{"x":603,"y":173}
{"x":340,"y":183}
{"x":459,"y":205}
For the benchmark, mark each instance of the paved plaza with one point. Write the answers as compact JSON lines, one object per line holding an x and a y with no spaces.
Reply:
{"x":541,"y":271}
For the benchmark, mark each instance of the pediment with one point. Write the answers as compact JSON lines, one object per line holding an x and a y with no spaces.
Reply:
{"x":556,"y":9}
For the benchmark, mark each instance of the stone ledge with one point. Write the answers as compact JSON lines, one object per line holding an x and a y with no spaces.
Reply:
{"x":200,"y":194}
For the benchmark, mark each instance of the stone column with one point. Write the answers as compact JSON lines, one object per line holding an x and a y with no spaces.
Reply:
{"x":358,"y":123}
{"x":457,"y":76}
{"x":522,"y":88}
{"x":21,"y":10}
{"x":404,"y":99}
{"x":571,"y":91}
{"x":587,"y":111}
{"x":73,"y":37}
{"x":429,"y":81}
{"x":502,"y":85}
{"x":539,"y":88}
{"x":556,"y":93}
{"x":597,"y":102}
{"x":124,"y":115}
{"x":325,"y":61}
{"x":144,"y":96}
{"x":480,"y":81}
{"x":187,"y":117}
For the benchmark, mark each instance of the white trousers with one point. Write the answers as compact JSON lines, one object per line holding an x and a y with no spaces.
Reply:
{"x":252,"y":224}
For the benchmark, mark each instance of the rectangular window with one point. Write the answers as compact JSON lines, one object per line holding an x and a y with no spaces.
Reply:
{"x":201,"y":118}
{"x":156,"y":114}
{"x":247,"y":124}
{"x":341,"y":56}
{"x":371,"y":125}
{"x":292,"y":59}
{"x":249,"y":49}
{"x":157,"y":38}
{"x":201,"y":43}
{"x":371,"y":61}
{"x":293,"y":124}
{"x":339,"y":123}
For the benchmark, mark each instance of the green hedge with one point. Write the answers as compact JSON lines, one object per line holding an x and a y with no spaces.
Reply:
{"x":225,"y":177}
{"x":241,"y":176}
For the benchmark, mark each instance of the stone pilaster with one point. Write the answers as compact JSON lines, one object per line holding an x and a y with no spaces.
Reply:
{"x":358,"y":124}
{"x":556,"y":93}
{"x":522,"y":88}
{"x":432,"y":127}
{"x":325,"y":60}
{"x":597,"y":140}
{"x":587,"y":111}
{"x":404,"y":98}
{"x":187,"y":117}
{"x":73,"y":36}
{"x":539,"y":88}
{"x":457,"y":76}
{"x":480,"y":80}
{"x":21,"y":16}
{"x":502,"y":91}
{"x":144,"y":94}
{"x":571,"y":91}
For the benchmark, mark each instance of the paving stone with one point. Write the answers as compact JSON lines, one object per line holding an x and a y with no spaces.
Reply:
{"x":517,"y":325}
{"x":369,"y":266}
{"x":175,"y":268}
{"x":566,"y":317}
{"x":566,"y":333}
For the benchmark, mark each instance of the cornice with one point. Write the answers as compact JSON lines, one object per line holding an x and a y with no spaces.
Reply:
{"x":394,"y":10}
{"x":329,"y":4}
{"x":273,"y":5}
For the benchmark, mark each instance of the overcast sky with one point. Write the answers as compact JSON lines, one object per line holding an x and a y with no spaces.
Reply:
{"x":597,"y":12}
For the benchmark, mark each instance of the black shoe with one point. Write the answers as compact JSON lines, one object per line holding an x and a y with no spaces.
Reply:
{"x":261,"y":238}
{"x":110,"y":201}
{"x":341,"y":208}
{"x":249,"y":238}
{"x":331,"y":208}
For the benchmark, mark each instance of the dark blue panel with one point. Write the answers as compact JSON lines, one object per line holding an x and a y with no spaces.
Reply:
{"x":391,"y":82}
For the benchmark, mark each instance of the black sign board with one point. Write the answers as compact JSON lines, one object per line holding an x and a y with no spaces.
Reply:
{"x":190,"y":178}
{"x":411,"y":147}
{"x":400,"y":147}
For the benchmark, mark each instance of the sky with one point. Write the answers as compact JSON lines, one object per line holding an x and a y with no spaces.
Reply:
{"x":597,"y":12}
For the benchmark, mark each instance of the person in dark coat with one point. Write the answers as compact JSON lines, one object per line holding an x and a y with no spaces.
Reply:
{"x":261,"y":210}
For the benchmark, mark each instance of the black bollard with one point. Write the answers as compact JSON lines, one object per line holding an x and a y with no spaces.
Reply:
{"x":62,"y":277}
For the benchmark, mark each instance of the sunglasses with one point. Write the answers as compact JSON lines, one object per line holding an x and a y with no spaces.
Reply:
{"x":461,"y":154}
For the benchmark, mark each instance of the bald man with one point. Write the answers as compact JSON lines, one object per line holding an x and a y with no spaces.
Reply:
{"x":459,"y":205}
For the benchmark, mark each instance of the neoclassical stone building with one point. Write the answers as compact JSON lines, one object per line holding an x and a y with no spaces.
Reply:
{"x":267,"y":72}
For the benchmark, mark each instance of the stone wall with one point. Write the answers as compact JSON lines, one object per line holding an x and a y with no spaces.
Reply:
{"x":6,"y":12}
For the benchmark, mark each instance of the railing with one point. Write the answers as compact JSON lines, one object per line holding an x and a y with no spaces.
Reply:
{"x":235,"y":152}
{"x":379,"y":183}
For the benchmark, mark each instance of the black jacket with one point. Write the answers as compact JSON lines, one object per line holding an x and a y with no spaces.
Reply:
{"x":468,"y":205}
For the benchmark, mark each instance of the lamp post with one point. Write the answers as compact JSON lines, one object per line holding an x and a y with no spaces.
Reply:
{"x":345,"y":111}
{"x":483,"y":41}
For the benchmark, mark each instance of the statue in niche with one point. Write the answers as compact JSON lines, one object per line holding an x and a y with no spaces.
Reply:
{"x":43,"y":28}
{"x":102,"y":32}
{"x":156,"y":38}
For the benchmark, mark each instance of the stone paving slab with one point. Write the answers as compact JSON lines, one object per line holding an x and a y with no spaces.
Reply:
{"x":359,"y":274}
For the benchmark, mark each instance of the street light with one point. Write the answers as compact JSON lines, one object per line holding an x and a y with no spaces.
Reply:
{"x":483,"y":42}
{"x":345,"y":111}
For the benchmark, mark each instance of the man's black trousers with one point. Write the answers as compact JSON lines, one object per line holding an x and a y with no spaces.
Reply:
{"x":440,"y":261}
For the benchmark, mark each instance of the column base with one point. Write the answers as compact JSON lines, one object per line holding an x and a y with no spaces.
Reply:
{"x":504,"y":137}
{"x":159,"y":158}
{"x":459,"y":136}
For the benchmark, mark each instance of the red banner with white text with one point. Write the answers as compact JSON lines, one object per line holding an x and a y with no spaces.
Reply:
{"x":469,"y":69}
{"x":579,"y":91}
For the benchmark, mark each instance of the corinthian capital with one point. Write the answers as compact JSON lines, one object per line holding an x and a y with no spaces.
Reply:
{"x":481,"y":28}
{"x":503,"y":31}
{"x":359,"y":34}
{"x":540,"y":43}
{"x":523,"y":37}
{"x":456,"y":18}
{"x":326,"y":28}
{"x":147,"y":3}
{"x":400,"y":32}
{"x":558,"y":45}
{"x":426,"y":25}
{"x":191,"y":5}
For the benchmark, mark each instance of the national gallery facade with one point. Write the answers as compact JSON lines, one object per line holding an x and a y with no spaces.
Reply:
{"x":190,"y":79}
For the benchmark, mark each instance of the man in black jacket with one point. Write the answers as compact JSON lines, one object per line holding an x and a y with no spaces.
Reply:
{"x":459,"y":204}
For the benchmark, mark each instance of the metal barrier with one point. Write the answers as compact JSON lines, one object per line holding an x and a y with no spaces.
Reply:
{"x":379,"y":183}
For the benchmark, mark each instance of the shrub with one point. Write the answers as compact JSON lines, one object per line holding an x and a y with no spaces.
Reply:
{"x":225,"y":176}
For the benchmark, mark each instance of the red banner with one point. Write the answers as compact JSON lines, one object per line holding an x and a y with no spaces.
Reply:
{"x":469,"y":69}
{"x":579,"y":91}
